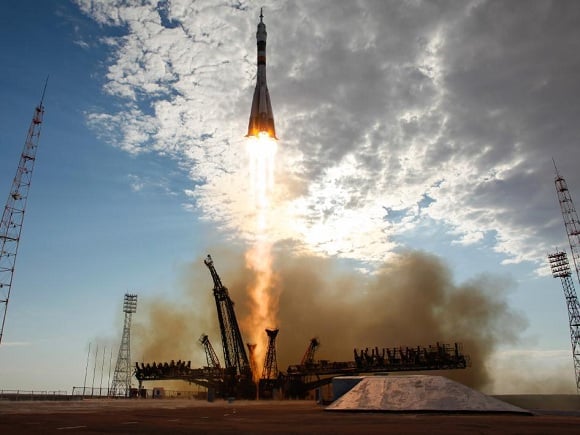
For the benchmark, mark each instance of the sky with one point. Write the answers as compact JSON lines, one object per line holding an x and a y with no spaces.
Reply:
{"x":403,"y":126}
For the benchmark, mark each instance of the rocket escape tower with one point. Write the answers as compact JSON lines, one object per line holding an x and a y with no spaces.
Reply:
{"x":235,"y":357}
{"x":261,"y":114}
{"x":561,"y":269}
{"x":13,"y":216}
{"x":121,"y":385}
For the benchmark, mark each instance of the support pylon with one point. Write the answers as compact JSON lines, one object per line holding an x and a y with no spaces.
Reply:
{"x":13,"y":216}
{"x":270,"y":364}
{"x":121,"y":385}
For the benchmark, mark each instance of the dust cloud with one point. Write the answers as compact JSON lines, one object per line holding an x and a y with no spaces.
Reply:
{"x":409,"y":301}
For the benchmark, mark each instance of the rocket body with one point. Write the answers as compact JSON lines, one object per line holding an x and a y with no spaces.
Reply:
{"x":261,"y":115}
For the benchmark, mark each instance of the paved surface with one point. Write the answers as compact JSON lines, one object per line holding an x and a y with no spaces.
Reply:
{"x":265,"y":417}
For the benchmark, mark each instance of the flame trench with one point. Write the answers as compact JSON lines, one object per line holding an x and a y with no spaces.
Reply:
{"x":263,"y":299}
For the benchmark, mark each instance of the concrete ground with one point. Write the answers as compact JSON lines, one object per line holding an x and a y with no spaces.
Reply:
{"x":177,"y":416}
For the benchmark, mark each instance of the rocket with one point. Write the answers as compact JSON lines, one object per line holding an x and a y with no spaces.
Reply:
{"x":261,"y":115}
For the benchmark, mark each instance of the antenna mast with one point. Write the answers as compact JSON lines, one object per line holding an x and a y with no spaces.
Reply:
{"x":13,"y":216}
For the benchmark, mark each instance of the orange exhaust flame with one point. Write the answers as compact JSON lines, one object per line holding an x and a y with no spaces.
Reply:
{"x":263,"y":297}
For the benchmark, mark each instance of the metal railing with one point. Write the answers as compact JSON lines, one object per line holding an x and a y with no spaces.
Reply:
{"x":33,"y":395}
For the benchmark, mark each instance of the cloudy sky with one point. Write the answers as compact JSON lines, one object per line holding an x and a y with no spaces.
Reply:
{"x":402,"y":125}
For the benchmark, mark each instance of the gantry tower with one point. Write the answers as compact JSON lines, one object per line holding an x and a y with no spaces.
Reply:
{"x":238,"y":377}
{"x":13,"y":215}
{"x":561,"y":269}
{"x":210,"y":355}
{"x":271,"y":364}
{"x":233,"y":345}
{"x":121,"y":385}
{"x":308,"y":357}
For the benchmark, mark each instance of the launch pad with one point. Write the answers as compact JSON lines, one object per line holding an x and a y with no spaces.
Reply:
{"x":238,"y":377}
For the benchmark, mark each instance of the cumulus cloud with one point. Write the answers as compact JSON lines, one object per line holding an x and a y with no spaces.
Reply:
{"x":439,"y":111}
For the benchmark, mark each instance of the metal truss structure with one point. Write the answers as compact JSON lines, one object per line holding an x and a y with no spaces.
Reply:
{"x":561,"y":269}
{"x":210,"y":355}
{"x":13,"y":215}
{"x":271,"y":364}
{"x":299,"y":379}
{"x":237,"y":364}
{"x":121,"y":385}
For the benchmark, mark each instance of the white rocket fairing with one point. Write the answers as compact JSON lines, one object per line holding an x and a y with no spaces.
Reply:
{"x":261,"y":115}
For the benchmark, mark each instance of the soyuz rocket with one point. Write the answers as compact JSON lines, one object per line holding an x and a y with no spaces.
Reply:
{"x":261,"y":115}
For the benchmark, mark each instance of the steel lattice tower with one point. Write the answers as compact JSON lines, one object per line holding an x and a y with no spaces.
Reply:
{"x":271,"y":364}
{"x":210,"y":355}
{"x":121,"y":385}
{"x":235,"y":356}
{"x":561,"y":269}
{"x":308,"y":357}
{"x":13,"y":216}
{"x":571,"y":221}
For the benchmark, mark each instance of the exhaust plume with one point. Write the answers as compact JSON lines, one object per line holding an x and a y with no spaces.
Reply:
{"x":409,"y":301}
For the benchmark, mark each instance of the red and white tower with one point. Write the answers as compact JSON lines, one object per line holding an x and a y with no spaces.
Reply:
{"x":13,"y":216}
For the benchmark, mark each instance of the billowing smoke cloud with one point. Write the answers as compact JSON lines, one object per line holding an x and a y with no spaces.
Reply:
{"x":411,"y":300}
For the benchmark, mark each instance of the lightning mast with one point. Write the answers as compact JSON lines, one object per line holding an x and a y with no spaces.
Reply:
{"x":13,"y":216}
{"x":572,"y":225}
{"x":561,"y":269}
{"x":121,"y":385}
{"x":571,"y":221}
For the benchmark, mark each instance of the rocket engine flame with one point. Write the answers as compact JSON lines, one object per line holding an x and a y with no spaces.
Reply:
{"x":263,"y":297}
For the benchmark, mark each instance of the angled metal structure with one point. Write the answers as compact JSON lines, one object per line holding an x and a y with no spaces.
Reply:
{"x":238,"y":376}
{"x":234,"y":352}
{"x":13,"y":215}
{"x":121,"y":385}
{"x":308,"y":357}
{"x":210,"y":355}
{"x":270,"y":370}
{"x":561,"y":269}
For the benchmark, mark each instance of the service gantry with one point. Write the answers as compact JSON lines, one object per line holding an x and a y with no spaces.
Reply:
{"x":308,"y":357}
{"x":210,"y":355}
{"x":121,"y":385}
{"x":13,"y":215}
{"x":236,"y":360}
{"x":561,"y":269}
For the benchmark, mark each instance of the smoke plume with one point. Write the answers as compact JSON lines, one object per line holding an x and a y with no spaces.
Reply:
{"x":409,"y":301}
